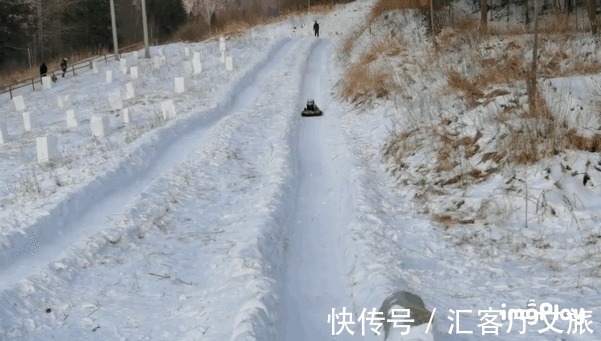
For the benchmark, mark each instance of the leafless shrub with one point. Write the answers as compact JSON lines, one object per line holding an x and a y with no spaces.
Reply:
{"x":26,"y":185}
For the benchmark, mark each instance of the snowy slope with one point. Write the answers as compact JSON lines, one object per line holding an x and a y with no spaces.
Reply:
{"x":185,"y":228}
{"x":493,"y":259}
{"x":238,"y":219}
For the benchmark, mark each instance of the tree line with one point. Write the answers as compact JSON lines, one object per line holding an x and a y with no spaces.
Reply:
{"x":567,"y":6}
{"x":37,"y":31}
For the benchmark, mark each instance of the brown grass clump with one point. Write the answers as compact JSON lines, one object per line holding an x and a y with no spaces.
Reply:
{"x":450,"y":145}
{"x":383,"y":6}
{"x":444,"y":219}
{"x":496,"y":157}
{"x":323,"y":8}
{"x":461,"y":32}
{"x":447,"y":220}
{"x":470,"y":89}
{"x":538,"y":138}
{"x":524,"y":146}
{"x":443,"y":159}
{"x":584,"y":68}
{"x":579,"y":142}
{"x":512,"y":45}
{"x":382,"y":48}
{"x":399,"y":146}
{"x":192,"y":31}
{"x":561,"y":65}
{"x":501,"y":72}
{"x":507,"y":30}
{"x":366,"y":77}
{"x":476,"y":174}
{"x":361,"y":82}
{"x":17,"y":75}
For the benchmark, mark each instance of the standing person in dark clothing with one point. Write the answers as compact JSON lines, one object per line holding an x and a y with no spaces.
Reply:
{"x":64,"y":66}
{"x":316,"y":28}
{"x":43,"y":70}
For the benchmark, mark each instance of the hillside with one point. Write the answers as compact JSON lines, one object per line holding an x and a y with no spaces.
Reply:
{"x":217,"y":212}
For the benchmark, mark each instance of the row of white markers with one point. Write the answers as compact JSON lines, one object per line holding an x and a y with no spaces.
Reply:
{"x":47,"y":146}
{"x":158,"y":60}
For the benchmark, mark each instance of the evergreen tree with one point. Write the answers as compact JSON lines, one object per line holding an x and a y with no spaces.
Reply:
{"x":14,"y":32}
{"x":89,"y":26}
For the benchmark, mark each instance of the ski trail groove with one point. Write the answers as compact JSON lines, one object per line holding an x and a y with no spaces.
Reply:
{"x":89,"y":208}
{"x":315,"y":281}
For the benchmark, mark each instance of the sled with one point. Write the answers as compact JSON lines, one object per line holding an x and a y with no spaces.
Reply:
{"x":311,"y":109}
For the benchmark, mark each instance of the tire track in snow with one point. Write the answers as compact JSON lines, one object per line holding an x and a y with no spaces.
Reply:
{"x":316,"y":280}
{"x":88,"y":209}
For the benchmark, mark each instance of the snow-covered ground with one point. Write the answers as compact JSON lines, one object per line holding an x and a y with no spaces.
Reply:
{"x":239,"y":220}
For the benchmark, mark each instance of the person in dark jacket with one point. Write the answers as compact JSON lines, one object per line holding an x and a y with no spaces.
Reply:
{"x":316,"y":28}
{"x":64,"y":66}
{"x":43,"y":70}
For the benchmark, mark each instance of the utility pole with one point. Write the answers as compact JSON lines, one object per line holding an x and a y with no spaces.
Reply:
{"x":308,"y":5}
{"x":145,"y":26}
{"x":114,"y":24}
{"x":41,"y":30}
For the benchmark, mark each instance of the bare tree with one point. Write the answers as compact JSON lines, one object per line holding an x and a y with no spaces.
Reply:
{"x":592,"y":15}
{"x":532,"y":90}
{"x":483,"y":16}
{"x":14,"y":32}
{"x":52,"y":28}
{"x":204,"y":8}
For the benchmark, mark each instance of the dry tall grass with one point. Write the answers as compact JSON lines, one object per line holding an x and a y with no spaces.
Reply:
{"x":380,"y":8}
{"x":576,"y":141}
{"x":462,"y":31}
{"x":470,"y":89}
{"x":383,"y":6}
{"x":361,"y":83}
{"x":349,"y":41}
{"x":505,"y":71}
{"x":369,"y":76}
